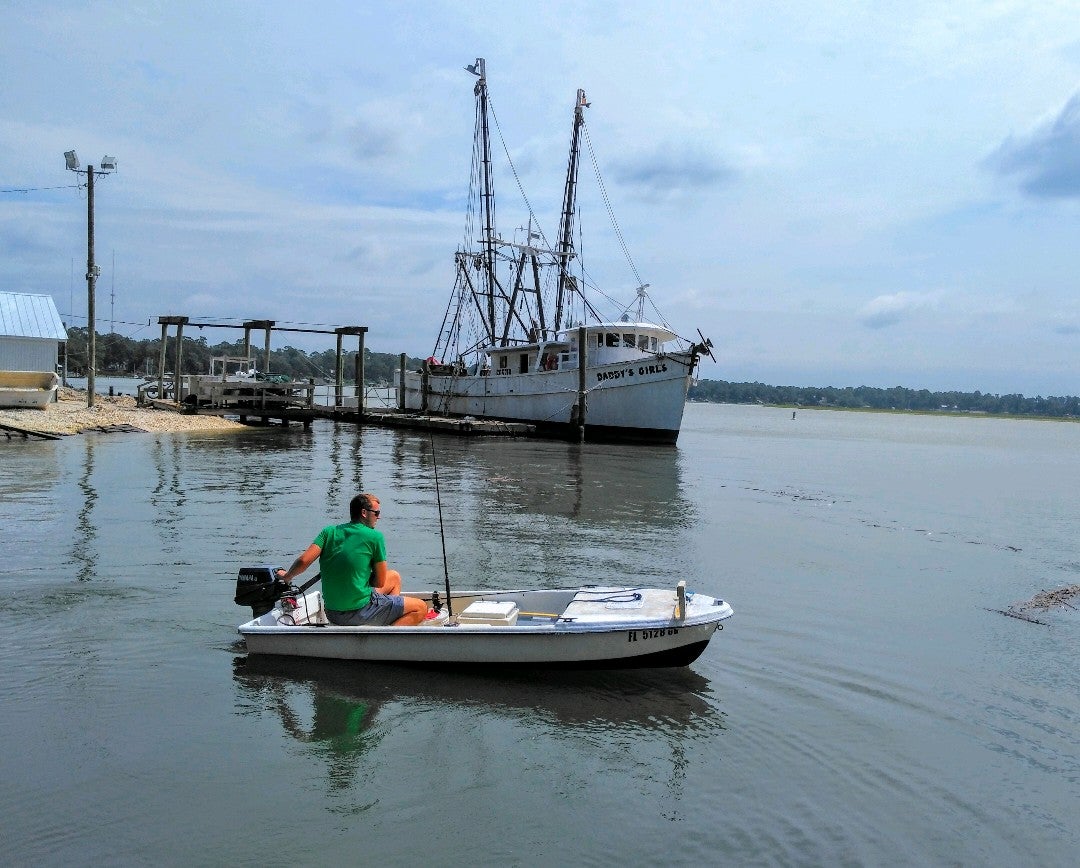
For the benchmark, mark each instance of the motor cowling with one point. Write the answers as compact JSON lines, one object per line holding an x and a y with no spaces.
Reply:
{"x":259,"y":588}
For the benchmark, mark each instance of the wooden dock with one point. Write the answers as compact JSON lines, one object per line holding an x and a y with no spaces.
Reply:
{"x":270,"y":400}
{"x":464,"y":426}
{"x":285,"y":414}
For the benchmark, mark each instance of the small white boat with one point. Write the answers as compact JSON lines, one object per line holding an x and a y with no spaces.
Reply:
{"x":586,"y":627}
{"x":27,"y":389}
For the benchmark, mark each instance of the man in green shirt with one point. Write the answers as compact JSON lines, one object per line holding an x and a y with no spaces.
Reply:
{"x":358,"y":588}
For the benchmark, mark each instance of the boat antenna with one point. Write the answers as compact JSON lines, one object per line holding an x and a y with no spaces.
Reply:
{"x":442,"y":533}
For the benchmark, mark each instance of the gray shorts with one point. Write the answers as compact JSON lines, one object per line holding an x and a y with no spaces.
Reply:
{"x":382,"y":609}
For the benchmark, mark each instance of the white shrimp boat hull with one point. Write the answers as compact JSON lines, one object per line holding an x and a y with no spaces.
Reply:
{"x":587,"y":631}
{"x":642,"y":399}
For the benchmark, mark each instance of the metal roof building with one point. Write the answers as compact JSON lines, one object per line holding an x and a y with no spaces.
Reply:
{"x":30,"y":332}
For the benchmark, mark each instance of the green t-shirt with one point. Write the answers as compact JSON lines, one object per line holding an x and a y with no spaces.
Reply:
{"x":348,"y":557}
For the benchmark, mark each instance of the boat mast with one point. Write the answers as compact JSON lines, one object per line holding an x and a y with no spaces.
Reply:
{"x":487,"y":193}
{"x":565,"y":250}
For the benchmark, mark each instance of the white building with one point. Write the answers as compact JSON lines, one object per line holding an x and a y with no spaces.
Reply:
{"x":30,"y":332}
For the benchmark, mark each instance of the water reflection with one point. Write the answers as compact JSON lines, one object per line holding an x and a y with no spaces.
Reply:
{"x":333,"y":706}
{"x":336,"y":723}
{"x":243,"y":468}
{"x":593,"y":484}
{"x":346,"y":459}
{"x":83,"y":549}
{"x":31,"y":469}
{"x":668,"y":701}
{"x":168,"y":495}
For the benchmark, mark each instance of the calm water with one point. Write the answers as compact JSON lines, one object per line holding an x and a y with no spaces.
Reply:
{"x":862,"y":707}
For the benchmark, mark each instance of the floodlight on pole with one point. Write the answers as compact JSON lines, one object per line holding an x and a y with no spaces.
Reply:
{"x":108,"y":164}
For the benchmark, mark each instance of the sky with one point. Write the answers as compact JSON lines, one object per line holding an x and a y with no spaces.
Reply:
{"x":865,"y":193}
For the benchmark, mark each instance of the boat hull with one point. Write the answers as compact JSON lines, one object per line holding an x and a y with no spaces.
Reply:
{"x":495,"y":646}
{"x":586,"y":637}
{"x":638,"y":401}
{"x":27,"y":389}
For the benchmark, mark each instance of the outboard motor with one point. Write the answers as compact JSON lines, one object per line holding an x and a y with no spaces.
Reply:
{"x":260,"y":588}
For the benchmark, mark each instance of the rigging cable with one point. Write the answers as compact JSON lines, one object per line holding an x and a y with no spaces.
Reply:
{"x":607,"y":205}
{"x":513,"y":169}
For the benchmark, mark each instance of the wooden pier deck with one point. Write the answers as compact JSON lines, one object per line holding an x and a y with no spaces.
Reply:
{"x":285,"y":414}
{"x":269,"y":402}
{"x":463,"y":426}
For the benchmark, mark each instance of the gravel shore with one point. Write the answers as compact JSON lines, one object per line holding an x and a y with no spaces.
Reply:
{"x":70,"y":415}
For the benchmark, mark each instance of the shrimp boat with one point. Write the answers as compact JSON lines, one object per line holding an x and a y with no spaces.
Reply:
{"x":522,"y":341}
{"x":582,"y":628}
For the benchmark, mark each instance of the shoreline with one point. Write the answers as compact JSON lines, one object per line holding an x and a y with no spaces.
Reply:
{"x":70,"y":415}
{"x":959,"y":414}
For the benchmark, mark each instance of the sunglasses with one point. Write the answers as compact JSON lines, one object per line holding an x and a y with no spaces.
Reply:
{"x":375,"y":512}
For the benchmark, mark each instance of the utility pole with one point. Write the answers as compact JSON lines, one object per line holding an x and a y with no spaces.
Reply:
{"x":92,"y":271}
{"x":107,"y":165}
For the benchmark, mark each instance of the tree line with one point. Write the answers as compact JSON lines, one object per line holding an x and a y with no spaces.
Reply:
{"x":895,"y":398}
{"x":121,"y":356}
{"x":118,"y":356}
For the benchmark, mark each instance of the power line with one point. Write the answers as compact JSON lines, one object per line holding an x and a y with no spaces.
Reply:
{"x":35,"y":189}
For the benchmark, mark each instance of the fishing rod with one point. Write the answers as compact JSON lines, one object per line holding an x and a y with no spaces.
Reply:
{"x":442,"y":533}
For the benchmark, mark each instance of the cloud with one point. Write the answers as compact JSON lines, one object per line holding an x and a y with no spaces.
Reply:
{"x":1047,"y":160}
{"x":888,"y":310}
{"x":369,"y":143}
{"x":664,"y":173}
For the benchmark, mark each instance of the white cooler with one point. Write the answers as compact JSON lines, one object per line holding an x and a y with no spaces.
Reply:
{"x":494,"y":614}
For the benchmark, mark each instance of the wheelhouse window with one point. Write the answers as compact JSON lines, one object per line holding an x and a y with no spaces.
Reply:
{"x":523,"y":364}
{"x":643,"y":342}
{"x":628,"y":340}
{"x":653,"y":344}
{"x":611,"y":339}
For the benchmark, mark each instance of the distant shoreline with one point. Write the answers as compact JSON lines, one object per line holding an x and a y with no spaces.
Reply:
{"x":964,"y":414}
{"x":897,"y":398}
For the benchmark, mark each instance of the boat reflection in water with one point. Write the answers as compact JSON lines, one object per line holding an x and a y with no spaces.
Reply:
{"x":363,"y":721}
{"x":345,"y":697}
{"x":596,"y":485}
{"x":325,"y":713}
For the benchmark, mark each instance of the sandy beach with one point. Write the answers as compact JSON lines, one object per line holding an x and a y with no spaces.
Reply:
{"x":70,"y":415}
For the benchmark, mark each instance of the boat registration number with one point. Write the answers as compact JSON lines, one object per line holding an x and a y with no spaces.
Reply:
{"x":642,"y":635}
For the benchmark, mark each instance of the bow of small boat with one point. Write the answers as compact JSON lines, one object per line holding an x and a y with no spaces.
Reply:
{"x":622,"y":606}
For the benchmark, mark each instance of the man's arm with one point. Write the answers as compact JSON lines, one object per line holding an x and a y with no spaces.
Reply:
{"x":378,"y":576}
{"x":306,"y":558}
